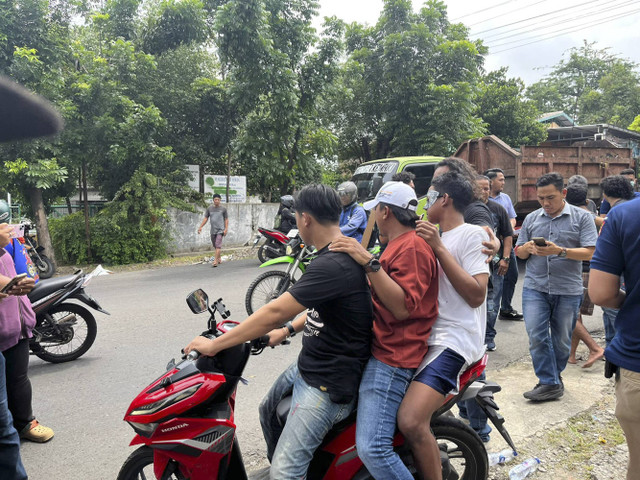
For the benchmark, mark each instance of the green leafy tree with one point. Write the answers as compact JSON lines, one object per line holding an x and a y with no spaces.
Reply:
{"x":508,"y":115}
{"x":592,"y":86}
{"x":409,"y":84}
{"x":635,"y":125}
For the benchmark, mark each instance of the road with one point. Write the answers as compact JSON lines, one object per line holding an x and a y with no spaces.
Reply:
{"x":84,"y":401}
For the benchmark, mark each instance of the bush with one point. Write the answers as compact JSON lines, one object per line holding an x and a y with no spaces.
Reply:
{"x":128,"y":230}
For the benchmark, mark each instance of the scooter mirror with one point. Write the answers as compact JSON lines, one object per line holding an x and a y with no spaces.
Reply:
{"x":198,"y":301}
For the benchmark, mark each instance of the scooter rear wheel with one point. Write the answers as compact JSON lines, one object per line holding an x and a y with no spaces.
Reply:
{"x":139,"y":466}
{"x":65,"y":333}
{"x":465,"y":451}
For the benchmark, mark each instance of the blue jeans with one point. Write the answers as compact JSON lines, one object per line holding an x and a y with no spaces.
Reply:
{"x":549,"y":320}
{"x":609,"y":319}
{"x":381,"y":392}
{"x":494,"y":294}
{"x":311,"y":417}
{"x":11,"y":467}
{"x":509,"y":287}
{"x":282,"y":387}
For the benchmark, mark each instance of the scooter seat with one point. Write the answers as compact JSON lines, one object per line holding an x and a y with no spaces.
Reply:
{"x":47,"y":287}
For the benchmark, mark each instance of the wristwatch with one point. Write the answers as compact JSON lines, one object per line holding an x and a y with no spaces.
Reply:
{"x":292,"y":331}
{"x":506,"y":259}
{"x":373,"y":265}
{"x":563,"y":253}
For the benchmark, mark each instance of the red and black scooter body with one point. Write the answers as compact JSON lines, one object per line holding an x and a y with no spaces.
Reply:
{"x":187,"y":417}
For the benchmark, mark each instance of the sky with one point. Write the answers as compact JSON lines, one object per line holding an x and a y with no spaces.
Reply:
{"x":507,"y":25}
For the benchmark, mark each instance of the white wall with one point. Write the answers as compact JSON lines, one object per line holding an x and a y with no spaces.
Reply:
{"x":244,"y":220}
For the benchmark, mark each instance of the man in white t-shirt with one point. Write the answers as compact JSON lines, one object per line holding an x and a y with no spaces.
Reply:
{"x":457,"y":337}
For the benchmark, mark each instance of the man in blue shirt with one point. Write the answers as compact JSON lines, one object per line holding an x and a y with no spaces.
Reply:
{"x":508,"y":286}
{"x":617,"y":253}
{"x":554,"y":240}
{"x":353,"y":219}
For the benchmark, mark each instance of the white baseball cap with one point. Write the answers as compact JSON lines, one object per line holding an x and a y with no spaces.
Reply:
{"x":394,"y":193}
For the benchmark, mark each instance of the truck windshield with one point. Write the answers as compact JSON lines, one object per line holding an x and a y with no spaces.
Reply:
{"x":369,"y":178}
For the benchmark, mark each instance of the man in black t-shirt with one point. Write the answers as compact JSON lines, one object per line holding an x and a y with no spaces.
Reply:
{"x":336,"y":339}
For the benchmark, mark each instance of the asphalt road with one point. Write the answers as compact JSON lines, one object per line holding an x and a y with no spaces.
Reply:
{"x":84,"y":401}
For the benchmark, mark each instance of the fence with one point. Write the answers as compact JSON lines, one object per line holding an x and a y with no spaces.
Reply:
{"x":58,"y":211}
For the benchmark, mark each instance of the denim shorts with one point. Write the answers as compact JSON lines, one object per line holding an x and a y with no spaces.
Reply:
{"x":443,"y":372}
{"x":216,"y":239}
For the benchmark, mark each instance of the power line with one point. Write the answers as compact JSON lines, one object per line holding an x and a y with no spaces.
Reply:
{"x":481,"y":10}
{"x":609,"y":19}
{"x":505,"y":13}
{"x":568,"y":16}
{"x":531,"y":18}
{"x":537,"y":28}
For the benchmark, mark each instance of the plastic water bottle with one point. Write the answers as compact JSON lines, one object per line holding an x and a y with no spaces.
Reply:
{"x":503,"y":456}
{"x":519,"y":472}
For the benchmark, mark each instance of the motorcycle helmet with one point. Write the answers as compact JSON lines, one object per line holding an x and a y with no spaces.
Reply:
{"x":349,"y":190}
{"x":287,"y":201}
{"x":5,"y":212}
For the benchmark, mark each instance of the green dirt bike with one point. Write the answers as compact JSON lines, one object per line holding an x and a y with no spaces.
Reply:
{"x":273,"y":283}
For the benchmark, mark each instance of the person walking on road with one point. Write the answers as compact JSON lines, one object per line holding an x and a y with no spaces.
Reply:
{"x":554,"y":240}
{"x":618,"y":253}
{"x":507,"y":312}
{"x":219,"y":221}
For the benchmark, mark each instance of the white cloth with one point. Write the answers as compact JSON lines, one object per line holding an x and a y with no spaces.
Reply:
{"x":460,"y":327}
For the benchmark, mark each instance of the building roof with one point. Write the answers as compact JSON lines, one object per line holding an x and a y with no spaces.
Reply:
{"x":560,"y":118}
{"x":589,"y":132}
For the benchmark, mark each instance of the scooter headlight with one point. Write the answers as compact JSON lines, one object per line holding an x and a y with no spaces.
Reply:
{"x":144,"y":429}
{"x":289,"y":250}
{"x":150,"y":408}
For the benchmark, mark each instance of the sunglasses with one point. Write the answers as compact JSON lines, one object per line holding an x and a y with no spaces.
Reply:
{"x":432,"y":197}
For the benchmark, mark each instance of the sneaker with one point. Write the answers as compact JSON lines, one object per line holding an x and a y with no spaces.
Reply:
{"x":543,"y":393}
{"x":512,"y":315}
{"x":35,"y":432}
{"x":491,"y":346}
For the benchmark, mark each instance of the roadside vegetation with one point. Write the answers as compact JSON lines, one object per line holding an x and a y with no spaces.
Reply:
{"x":249,"y":87}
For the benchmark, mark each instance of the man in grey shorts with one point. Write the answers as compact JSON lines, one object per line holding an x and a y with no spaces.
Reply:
{"x":219,"y":221}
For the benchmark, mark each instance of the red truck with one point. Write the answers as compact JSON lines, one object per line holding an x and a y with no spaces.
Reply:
{"x":522,"y":168}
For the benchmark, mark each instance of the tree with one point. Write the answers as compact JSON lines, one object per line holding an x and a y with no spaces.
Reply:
{"x":635,"y":125}
{"x":409,"y":84}
{"x":508,"y":114}
{"x":592,"y":86}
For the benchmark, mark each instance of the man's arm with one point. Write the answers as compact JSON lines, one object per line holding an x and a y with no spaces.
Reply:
{"x":268,"y":317}
{"x":204,"y":221}
{"x":279,"y":335}
{"x":503,"y":264}
{"x":226,"y":225}
{"x":577,"y":253}
{"x":604,"y":289}
{"x":388,"y":291}
{"x":473,"y":289}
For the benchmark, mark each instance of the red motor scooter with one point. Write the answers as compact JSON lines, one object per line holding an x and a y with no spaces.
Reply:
{"x":274,"y":246}
{"x":185,"y":422}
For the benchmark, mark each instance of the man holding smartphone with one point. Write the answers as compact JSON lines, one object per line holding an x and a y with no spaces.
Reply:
{"x":554,"y":240}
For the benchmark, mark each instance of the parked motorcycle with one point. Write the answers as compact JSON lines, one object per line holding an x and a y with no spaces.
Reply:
{"x":274,"y":246}
{"x":45,"y":266}
{"x":185,"y":420}
{"x":270,"y":285}
{"x":64,"y":330}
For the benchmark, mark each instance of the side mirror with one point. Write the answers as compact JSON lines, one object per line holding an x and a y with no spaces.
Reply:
{"x":198,"y":301}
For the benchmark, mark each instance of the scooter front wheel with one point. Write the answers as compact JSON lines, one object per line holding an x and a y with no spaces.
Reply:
{"x":266,"y":287}
{"x":139,"y":466}
{"x":45,"y":266}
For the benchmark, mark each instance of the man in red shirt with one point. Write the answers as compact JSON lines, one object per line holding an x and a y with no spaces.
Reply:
{"x":404,"y":286}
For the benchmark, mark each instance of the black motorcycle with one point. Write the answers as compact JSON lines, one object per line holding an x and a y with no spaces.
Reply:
{"x":64,"y":330}
{"x":45,"y":266}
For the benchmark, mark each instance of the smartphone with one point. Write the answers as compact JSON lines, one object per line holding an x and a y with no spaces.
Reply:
{"x":539,"y":241}
{"x":15,"y":280}
{"x":18,"y":230}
